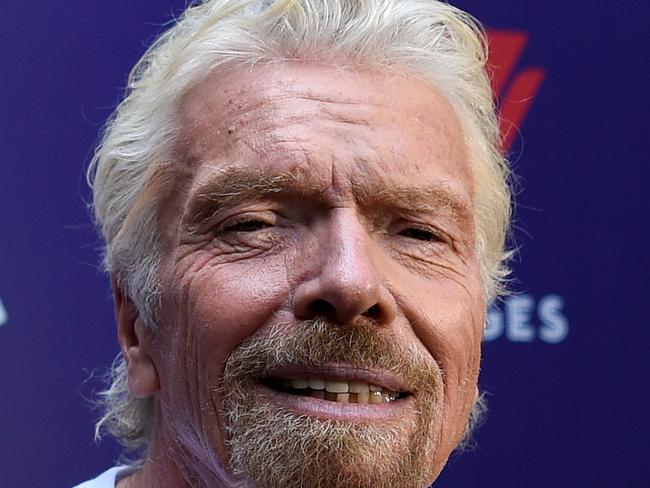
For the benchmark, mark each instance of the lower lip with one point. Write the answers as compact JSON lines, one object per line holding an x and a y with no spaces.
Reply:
{"x":328,"y":410}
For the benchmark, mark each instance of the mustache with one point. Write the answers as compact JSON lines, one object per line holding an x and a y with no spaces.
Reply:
{"x":317,"y":342}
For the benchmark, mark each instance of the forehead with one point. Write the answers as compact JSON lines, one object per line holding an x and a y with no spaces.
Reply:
{"x":323,"y":121}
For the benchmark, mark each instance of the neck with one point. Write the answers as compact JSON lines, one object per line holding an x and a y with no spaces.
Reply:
{"x":169,"y":464}
{"x":157,"y":470}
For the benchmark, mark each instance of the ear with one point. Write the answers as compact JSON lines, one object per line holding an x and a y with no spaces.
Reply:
{"x":135,"y":340}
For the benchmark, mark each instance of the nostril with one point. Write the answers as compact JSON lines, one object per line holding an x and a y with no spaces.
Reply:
{"x":322,"y":308}
{"x":373,"y":312}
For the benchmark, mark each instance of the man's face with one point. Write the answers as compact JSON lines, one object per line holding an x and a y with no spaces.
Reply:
{"x":322,"y":306}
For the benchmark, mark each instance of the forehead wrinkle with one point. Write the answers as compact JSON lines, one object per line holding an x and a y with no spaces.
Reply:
{"x":282,"y":108}
{"x":268,"y":119}
{"x":274,"y":98}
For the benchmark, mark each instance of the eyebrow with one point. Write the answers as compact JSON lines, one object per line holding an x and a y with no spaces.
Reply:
{"x":430,"y":198}
{"x":232,"y":185}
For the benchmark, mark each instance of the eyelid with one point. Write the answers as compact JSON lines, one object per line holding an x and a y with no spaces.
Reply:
{"x":436,"y":231}
{"x":265,"y":216}
{"x":430,"y":230}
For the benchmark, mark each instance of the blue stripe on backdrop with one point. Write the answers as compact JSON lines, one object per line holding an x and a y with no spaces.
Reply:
{"x":565,"y":358}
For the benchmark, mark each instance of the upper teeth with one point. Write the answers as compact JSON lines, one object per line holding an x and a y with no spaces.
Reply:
{"x":342,"y":391}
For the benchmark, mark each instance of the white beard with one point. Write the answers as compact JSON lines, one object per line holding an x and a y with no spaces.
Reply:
{"x":273,"y":447}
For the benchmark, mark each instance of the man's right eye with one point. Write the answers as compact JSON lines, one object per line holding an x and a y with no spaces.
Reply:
{"x":248,"y":225}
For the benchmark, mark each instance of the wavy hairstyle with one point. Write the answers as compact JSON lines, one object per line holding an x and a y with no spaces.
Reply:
{"x":134,"y":161}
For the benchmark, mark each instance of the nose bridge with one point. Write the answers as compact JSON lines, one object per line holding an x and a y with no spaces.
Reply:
{"x":347,"y":261}
{"x":348,"y":282}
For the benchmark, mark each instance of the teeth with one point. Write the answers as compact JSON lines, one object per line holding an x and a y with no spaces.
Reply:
{"x":300,"y":384}
{"x":316,"y":384}
{"x":318,"y":394}
{"x":356,"y":387}
{"x":363,"y":397}
{"x":336,"y":386}
{"x":341,"y":391}
{"x":376,"y":397}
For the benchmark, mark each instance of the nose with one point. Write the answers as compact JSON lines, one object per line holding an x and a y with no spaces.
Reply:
{"x":346,"y":284}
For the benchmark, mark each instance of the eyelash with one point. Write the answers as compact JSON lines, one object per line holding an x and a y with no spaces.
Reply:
{"x":425,"y":234}
{"x":420,"y":234}
{"x":245,"y":225}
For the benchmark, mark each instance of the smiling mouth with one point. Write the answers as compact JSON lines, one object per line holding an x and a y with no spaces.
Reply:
{"x":335,"y":390}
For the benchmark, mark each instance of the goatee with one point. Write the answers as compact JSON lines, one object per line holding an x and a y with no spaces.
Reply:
{"x":272,"y":446}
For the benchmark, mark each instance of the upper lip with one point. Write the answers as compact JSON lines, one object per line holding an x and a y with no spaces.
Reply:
{"x":345,"y":372}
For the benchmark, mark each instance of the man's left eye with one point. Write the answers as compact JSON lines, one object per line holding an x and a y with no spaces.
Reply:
{"x":420,"y":234}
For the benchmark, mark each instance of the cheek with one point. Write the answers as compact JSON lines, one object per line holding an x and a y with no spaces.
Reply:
{"x":455,"y":337}
{"x":213,"y":308}
{"x":226,"y":303}
{"x":447,"y":316}
{"x":448,"y":320}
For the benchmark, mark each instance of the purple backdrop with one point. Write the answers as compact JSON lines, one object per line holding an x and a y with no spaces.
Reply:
{"x":566,"y":362}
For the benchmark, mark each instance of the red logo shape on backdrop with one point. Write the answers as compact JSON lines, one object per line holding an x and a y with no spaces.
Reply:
{"x":514,"y":93}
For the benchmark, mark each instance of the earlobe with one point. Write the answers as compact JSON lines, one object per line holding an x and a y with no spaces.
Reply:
{"x":135,"y":340}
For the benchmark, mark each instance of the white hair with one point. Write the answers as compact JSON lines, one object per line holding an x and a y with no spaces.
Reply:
{"x":134,"y":160}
